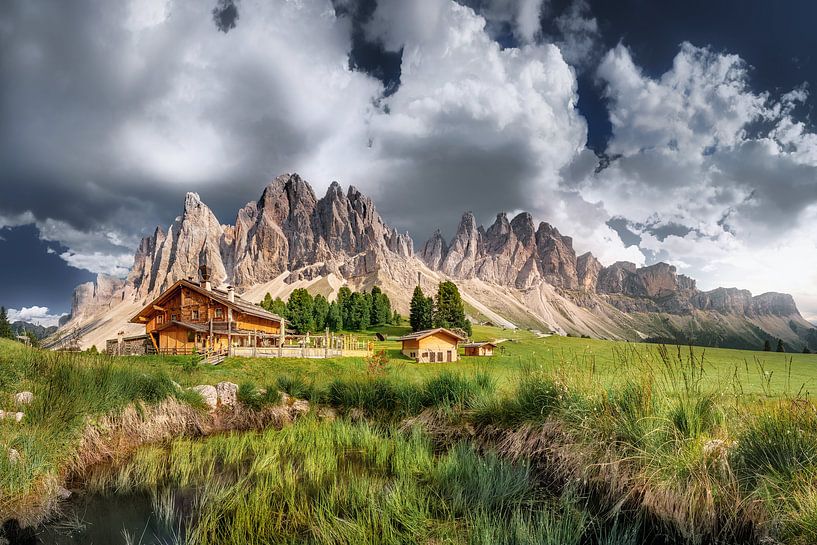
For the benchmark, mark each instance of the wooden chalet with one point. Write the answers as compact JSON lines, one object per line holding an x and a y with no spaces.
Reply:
{"x":193,"y":317}
{"x":484,"y":348}
{"x":431,"y":345}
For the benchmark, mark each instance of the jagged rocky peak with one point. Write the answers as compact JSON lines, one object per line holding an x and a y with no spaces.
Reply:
{"x":588,"y":269}
{"x":434,"y":250}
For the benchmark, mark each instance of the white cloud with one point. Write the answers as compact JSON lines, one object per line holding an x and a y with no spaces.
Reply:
{"x":35,"y":315}
{"x":693,"y":153}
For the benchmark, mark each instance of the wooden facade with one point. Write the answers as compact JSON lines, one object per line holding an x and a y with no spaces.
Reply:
{"x":190,"y":317}
{"x":431,"y":346}
{"x":479,"y":349}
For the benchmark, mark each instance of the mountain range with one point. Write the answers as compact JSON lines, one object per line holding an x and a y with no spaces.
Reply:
{"x":514,"y":273}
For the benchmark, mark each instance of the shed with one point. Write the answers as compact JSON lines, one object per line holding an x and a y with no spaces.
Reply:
{"x":483,"y":348}
{"x":431,"y":345}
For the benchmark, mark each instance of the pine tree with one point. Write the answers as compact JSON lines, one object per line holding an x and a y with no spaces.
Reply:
{"x":344,"y":296}
{"x":267,"y":302}
{"x":449,"y":310}
{"x":420,"y":313}
{"x":320,"y":312}
{"x":299,"y":311}
{"x":780,"y":347}
{"x":5,"y":326}
{"x":334,"y":321}
{"x":381,"y":307}
{"x":396,"y":319}
{"x":358,"y":312}
{"x":279,"y":307}
{"x":806,"y":350}
{"x":767,"y":346}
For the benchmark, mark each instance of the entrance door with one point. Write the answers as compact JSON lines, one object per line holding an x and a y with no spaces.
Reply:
{"x":433,"y":357}
{"x":448,"y":355}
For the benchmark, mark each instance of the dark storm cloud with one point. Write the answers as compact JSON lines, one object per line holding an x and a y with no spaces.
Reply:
{"x":225,"y":15}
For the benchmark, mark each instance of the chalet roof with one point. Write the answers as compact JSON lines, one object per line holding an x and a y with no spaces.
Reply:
{"x":479,"y":344}
{"x":417,"y":335}
{"x":220,"y":296}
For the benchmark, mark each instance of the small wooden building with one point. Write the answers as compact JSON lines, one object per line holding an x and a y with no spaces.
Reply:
{"x":484,"y":348}
{"x":431,"y":345}
{"x":194,"y":317}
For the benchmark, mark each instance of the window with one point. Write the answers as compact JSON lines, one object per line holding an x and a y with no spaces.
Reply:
{"x":160,"y":319}
{"x":218,"y":313}
{"x":439,"y":356}
{"x":191,"y":337}
{"x":194,"y":315}
{"x":173,"y":318}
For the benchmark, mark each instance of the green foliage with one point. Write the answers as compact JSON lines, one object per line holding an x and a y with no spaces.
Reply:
{"x":253,"y":398}
{"x":276,"y":306}
{"x":358,"y":317}
{"x":381,"y":307}
{"x":421,"y":311}
{"x":320,"y":311}
{"x":300,"y":311}
{"x":767,"y":346}
{"x":334,"y":318}
{"x":449,"y":311}
{"x":5,"y":326}
{"x":780,"y":347}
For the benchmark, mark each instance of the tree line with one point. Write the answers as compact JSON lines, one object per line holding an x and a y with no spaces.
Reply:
{"x":446,"y":309}
{"x":351,"y":311}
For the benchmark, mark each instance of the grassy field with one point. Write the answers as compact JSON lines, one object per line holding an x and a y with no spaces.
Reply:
{"x":607,"y":363}
{"x":702,"y":445}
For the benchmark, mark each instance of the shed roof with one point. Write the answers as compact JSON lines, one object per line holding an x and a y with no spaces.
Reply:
{"x":417,"y":335}
{"x":478,"y":344}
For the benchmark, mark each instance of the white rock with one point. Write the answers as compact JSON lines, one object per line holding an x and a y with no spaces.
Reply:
{"x":2,"y":414}
{"x":23,"y":398}
{"x":208,"y":393}
{"x":227,"y":393}
{"x":14,"y":456}
{"x":18,"y":416}
{"x":63,"y":493}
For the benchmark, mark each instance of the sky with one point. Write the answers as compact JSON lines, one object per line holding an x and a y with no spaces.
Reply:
{"x":671,"y":131}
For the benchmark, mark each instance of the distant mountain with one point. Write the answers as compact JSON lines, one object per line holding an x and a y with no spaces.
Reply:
{"x":514,"y":273}
{"x":21,"y":328}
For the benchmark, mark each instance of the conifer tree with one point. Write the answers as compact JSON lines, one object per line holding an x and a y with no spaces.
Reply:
{"x":420,"y":311}
{"x":333,"y":319}
{"x":5,"y":326}
{"x":767,"y":346}
{"x":449,"y":310}
{"x":299,"y":311}
{"x":780,"y":347}
{"x":320,"y":312}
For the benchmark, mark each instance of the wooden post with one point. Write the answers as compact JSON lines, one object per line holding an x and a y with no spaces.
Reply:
{"x":326,"y":343}
{"x":230,"y":331}
{"x":281,"y":338}
{"x":254,"y":343}
{"x":211,"y":340}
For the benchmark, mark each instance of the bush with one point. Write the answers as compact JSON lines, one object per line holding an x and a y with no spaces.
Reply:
{"x":255,"y":399}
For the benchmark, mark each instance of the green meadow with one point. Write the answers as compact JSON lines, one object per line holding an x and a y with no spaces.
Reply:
{"x":552,"y":440}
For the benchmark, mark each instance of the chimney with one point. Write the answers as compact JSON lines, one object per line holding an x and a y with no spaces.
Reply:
{"x":231,"y":294}
{"x":204,"y":273}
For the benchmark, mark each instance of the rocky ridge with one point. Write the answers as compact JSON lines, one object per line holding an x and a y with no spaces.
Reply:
{"x":513,"y":271}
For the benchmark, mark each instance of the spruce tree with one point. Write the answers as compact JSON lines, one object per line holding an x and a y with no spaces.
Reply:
{"x":806,"y":350}
{"x":299,"y":311}
{"x":5,"y":326}
{"x":344,"y":296}
{"x":449,"y":310}
{"x":267,"y":302}
{"x":358,"y":312}
{"x":333,"y":319}
{"x":320,"y":312}
{"x":767,"y":346}
{"x":279,"y":307}
{"x":780,"y":347}
{"x":420,"y":310}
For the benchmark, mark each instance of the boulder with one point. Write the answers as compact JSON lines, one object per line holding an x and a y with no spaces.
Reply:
{"x":23,"y":398}
{"x":14,"y":456}
{"x":18,"y":416}
{"x":227,"y":394}
{"x":208,"y":393}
